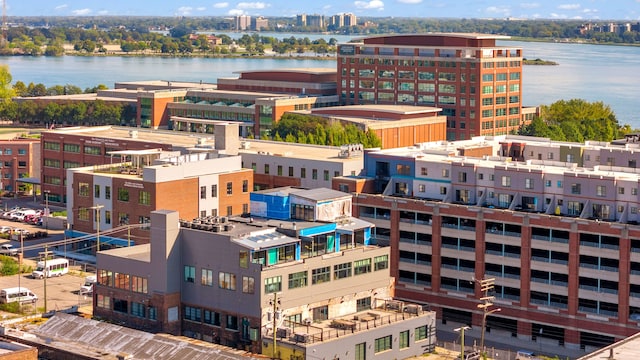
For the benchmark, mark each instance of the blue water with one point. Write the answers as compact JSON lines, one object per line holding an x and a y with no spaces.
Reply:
{"x":590,"y":72}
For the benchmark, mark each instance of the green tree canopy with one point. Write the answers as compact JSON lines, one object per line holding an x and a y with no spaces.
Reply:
{"x":575,"y":120}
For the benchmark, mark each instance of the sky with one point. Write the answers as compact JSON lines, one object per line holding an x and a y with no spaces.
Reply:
{"x":628,"y":10}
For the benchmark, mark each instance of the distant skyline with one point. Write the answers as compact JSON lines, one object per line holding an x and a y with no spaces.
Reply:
{"x":627,"y":10}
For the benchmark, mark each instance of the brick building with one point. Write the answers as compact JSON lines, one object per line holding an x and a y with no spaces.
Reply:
{"x":19,"y":158}
{"x":477,"y":83}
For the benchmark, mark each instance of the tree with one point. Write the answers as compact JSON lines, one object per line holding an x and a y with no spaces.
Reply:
{"x":6,"y":90}
{"x":575,"y":120}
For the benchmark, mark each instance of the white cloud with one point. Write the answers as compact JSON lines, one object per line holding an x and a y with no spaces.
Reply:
{"x":103,"y":12}
{"x":328,"y":6}
{"x":81,"y":12}
{"x":530,"y":5}
{"x":373,"y":4}
{"x":557,"y":16}
{"x":569,"y":6}
{"x":61,"y":7}
{"x":235,"y":12}
{"x":589,"y":11}
{"x":184,"y":10}
{"x":410,"y":1}
{"x":252,"y":5}
{"x":500,"y":10}
{"x":201,"y":8}
{"x":221,"y":5}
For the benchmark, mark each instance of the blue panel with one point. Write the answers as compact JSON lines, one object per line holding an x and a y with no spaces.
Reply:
{"x":317,"y":230}
{"x":367,"y":236}
{"x":277,"y":206}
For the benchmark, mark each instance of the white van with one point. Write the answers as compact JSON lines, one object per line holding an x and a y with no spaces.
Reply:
{"x":17,"y":294}
{"x":49,"y":268}
{"x":87,"y":288}
{"x":524,"y":355}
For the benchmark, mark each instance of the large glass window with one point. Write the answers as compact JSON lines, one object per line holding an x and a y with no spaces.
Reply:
{"x":298,"y":280}
{"x":273,"y":284}
{"x":383,"y":344}
{"x":320,"y":275}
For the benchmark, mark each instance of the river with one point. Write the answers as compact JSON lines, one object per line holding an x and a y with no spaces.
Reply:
{"x":591,"y":72}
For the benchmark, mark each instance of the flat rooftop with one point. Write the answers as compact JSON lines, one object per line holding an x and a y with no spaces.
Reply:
{"x":314,"y":71}
{"x":183,"y":141}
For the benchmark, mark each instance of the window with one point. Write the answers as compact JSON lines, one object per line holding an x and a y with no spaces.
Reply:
{"x":559,"y":184}
{"x":462,"y":177}
{"x":320,"y":275}
{"x":207,"y":277}
{"x":273,"y":284}
{"x":212,"y":318}
{"x":232,"y":322}
{"x":107,"y":217}
{"x":227,"y":281}
{"x":96,"y":191}
{"x":621,"y":190}
{"x":83,"y":189}
{"x":298,"y":280}
{"x":144,"y":197}
{"x":601,"y":190}
{"x":266,"y":169}
{"x":326,"y":175}
{"x":74,"y":148}
{"x":443,"y":190}
{"x":362,"y":266}
{"x":575,"y":188}
{"x":424,"y":171}
{"x":120,"y":305}
{"x":383,"y":344}
{"x":341,"y":271}
{"x":51,"y":146}
{"x":245,"y":186}
{"x":422,"y":188}
{"x":139,"y":284}
{"x":107,"y":192}
{"x":104,"y":302}
{"x":190,"y":274}
{"x":421,"y":333}
{"x":123,"y":194}
{"x":445,"y":173}
{"x":92,"y":150}
{"x":380,"y":262}
{"x":192,"y":313}
{"x":634,"y":191}
{"x":404,"y":339}
{"x":248,"y":284}
{"x":290,"y":171}
{"x":229,"y":210}
{"x":121,"y":281}
{"x":506,"y":181}
{"x":361,"y":351}
{"x":203,"y":192}
{"x":528,"y":183}
{"x":279,"y":170}
{"x":229,"y":188}
{"x":314,"y":174}
{"x":137,"y":309}
{"x":363,"y":304}
{"x":83,"y":214}
{"x":303,"y":173}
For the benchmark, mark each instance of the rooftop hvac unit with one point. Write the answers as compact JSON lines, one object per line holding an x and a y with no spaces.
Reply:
{"x":283,"y":333}
{"x":301,"y":338}
{"x":216,"y":228}
{"x":413,"y":309}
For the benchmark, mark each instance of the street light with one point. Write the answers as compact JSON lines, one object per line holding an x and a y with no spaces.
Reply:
{"x":484,"y":321}
{"x":461,"y":330}
{"x":46,"y":209}
{"x":97,"y":209}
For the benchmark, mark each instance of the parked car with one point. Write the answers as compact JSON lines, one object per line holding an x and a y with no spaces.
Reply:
{"x":20,"y":215}
{"x":24,"y":232}
{"x":8,"y":249}
{"x":5,"y":229}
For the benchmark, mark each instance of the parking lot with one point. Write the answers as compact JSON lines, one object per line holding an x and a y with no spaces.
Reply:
{"x":62,"y":292}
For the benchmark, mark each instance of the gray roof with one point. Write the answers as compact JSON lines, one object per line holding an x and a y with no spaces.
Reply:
{"x":265,"y":239}
{"x":102,"y":340}
{"x":321,"y":194}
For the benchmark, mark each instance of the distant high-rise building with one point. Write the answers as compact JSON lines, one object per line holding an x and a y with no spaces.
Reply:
{"x":477,"y":84}
{"x":337,"y":21}
{"x":301,"y":20}
{"x":259,"y":23}
{"x":315,"y":21}
{"x":242,"y":22}
{"x":350,"y":20}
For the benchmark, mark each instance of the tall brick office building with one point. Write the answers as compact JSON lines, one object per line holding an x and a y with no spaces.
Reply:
{"x":477,"y":83}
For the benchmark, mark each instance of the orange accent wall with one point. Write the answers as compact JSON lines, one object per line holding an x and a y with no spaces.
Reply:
{"x":238,"y":198}
{"x":180,"y":195}
{"x":410,"y":135}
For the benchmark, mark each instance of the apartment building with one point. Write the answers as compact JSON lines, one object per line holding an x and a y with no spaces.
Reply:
{"x":561,"y":241}
{"x":306,"y":283}
{"x":477,"y":83}
{"x":126,"y":192}
{"x":19,"y":159}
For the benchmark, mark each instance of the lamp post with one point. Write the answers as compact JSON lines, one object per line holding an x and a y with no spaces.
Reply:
{"x":484,"y":322}
{"x":97,"y":209}
{"x":461,"y":330}
{"x":46,"y":209}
